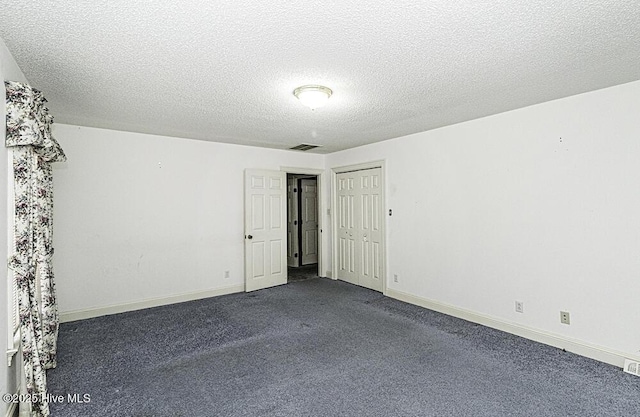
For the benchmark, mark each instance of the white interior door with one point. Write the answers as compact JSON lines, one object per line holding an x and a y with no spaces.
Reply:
{"x":265,"y":229}
{"x":347,"y":233}
{"x":292,"y":222}
{"x":360,"y":236}
{"x":309,"y":220}
{"x":370,"y":216}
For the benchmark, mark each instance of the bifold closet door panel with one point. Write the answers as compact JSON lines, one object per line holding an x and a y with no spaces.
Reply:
{"x":370,"y":218}
{"x":359,"y":227}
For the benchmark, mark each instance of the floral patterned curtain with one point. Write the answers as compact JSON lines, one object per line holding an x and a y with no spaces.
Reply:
{"x":34,"y":149}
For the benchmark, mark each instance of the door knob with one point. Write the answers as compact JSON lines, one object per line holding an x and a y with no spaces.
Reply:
{"x":249,"y":237}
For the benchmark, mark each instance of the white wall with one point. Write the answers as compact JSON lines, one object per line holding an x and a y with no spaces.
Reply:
{"x":539,"y":205}
{"x":139,"y":217}
{"x":9,"y":71}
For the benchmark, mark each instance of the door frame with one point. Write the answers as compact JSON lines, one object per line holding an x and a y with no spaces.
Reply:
{"x":293,"y":238}
{"x":319,"y":174}
{"x":334,"y":219}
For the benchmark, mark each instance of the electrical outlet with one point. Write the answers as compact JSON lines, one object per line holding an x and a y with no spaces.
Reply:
{"x":519,"y":307}
{"x":632,"y":367}
{"x":226,"y":274}
{"x":395,"y":277}
{"x":565,"y":318}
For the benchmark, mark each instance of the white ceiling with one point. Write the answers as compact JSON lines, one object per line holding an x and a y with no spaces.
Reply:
{"x":225,"y":70}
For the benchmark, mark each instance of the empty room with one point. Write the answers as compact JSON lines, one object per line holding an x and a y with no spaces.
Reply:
{"x":320,"y":208}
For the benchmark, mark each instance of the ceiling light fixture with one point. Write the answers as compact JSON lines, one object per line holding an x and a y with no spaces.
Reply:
{"x":313,"y":96}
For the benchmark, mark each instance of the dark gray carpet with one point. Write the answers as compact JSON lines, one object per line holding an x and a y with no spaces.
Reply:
{"x":322,"y":348}
{"x":302,"y":272}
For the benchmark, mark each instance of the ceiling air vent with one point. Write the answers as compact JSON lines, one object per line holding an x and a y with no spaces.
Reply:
{"x":304,"y":147}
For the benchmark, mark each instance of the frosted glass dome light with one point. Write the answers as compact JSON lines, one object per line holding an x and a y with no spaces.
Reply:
{"x":313,"y":96}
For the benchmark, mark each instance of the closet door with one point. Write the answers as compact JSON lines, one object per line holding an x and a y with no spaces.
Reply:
{"x":348,"y":251}
{"x":359,"y":228}
{"x":370,"y":216}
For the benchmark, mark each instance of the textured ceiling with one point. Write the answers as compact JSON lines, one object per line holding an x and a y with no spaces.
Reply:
{"x":225,"y":70}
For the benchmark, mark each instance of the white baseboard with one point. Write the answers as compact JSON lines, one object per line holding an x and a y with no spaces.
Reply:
{"x":579,"y":347}
{"x":151,"y":302}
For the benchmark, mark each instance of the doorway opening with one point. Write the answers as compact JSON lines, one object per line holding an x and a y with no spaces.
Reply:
{"x":303,"y":227}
